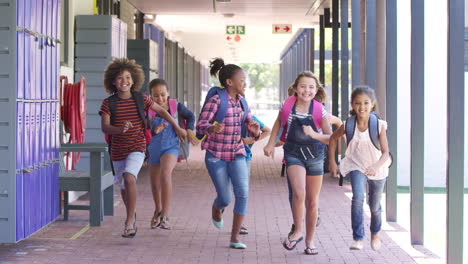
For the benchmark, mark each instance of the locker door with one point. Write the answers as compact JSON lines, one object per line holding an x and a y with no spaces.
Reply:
{"x":19,"y":174}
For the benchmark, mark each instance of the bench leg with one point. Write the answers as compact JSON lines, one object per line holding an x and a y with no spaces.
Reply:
{"x":109,"y":200}
{"x":65,"y":206}
{"x":95,"y":208}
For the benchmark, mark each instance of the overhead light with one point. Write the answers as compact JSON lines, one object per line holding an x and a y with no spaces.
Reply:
{"x":228,"y":15}
{"x":223,"y":1}
{"x":149,"y":17}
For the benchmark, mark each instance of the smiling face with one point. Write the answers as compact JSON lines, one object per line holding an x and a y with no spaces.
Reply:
{"x":238,"y":82}
{"x":306,"y":89}
{"x":160,"y":94}
{"x":123,"y":82}
{"x":362,"y":104}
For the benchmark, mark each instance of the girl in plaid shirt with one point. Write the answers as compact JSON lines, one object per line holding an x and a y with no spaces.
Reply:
{"x":225,"y":152}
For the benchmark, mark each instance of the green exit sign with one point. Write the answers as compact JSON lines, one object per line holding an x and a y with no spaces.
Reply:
{"x":240,"y":30}
{"x":235,"y":29}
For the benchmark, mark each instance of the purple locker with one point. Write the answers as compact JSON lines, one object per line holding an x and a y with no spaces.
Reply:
{"x":44,"y":51}
{"x":55,"y":154}
{"x":27,"y":54}
{"x":19,"y":175}
{"x":49,"y":170}
{"x":32,"y":193}
{"x":37,"y":165}
{"x":43,"y":189}
{"x":27,"y":176}
{"x":20,"y":49}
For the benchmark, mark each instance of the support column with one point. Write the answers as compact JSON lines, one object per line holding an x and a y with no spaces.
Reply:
{"x":344,"y":61}
{"x":456,"y":130}
{"x":380,"y":87}
{"x":335,"y":49}
{"x":356,"y":42}
{"x":392,"y":110}
{"x":417,"y":123}
{"x":371,"y":44}
{"x":322,"y":50}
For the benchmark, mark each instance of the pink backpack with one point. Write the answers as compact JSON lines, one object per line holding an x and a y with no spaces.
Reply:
{"x":288,"y":105}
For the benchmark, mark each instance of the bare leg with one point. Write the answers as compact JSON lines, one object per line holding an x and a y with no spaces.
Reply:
{"x":236,"y":225}
{"x":156,"y":186}
{"x":297,"y":177}
{"x":313,"y":186}
{"x":130,"y":194}
{"x":168,"y":162}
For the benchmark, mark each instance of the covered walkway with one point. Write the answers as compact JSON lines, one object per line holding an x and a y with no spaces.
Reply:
{"x":195,"y":240}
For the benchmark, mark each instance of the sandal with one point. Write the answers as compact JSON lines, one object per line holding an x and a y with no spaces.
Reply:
{"x":164,"y":223}
{"x":243,"y":231}
{"x":130,"y":232}
{"x":311,"y":251}
{"x":155,"y":220}
{"x":294,"y":243}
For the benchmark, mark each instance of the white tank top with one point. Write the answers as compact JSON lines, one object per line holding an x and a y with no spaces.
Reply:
{"x":361,"y":154}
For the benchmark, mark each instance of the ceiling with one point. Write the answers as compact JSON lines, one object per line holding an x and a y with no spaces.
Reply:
{"x":200,"y":25}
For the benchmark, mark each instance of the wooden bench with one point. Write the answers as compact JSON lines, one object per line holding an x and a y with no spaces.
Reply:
{"x":98,"y":182}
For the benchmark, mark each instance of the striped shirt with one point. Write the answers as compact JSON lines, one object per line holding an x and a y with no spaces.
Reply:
{"x":226,"y":144}
{"x":134,"y":139}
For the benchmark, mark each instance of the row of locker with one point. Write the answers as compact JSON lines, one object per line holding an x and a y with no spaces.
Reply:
{"x":37,"y":68}
{"x":153,"y":33}
{"x":40,"y":17}
{"x":297,"y":57}
{"x":37,"y":166}
{"x":100,"y":37}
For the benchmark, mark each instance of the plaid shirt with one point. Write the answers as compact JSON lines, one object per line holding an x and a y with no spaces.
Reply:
{"x":226,"y":144}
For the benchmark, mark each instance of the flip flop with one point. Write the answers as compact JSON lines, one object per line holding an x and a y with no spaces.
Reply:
{"x":243,"y":231}
{"x":311,"y":251}
{"x":292,"y":241}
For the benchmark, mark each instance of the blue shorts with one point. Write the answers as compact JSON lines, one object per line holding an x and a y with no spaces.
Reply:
{"x":312,"y":164}
{"x":156,"y":151}
{"x":132,"y":165}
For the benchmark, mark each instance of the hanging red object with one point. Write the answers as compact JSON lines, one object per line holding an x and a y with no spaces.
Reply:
{"x":73,"y":114}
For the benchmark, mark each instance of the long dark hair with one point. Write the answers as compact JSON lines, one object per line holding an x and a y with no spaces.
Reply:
{"x":320,"y":95}
{"x":363,"y":89}
{"x":224,"y":72}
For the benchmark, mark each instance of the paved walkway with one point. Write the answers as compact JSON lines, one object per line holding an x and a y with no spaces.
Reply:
{"x":195,"y":240}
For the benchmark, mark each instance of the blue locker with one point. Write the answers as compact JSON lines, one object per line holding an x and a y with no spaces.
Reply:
{"x":42,"y":153}
{"x":33,"y":183}
{"x":27,"y":54}
{"x":19,"y":175}
{"x":37,"y":160}
{"x":55,"y":154}
{"x":20,"y":49}
{"x":48,"y":161}
{"x":27,"y":166}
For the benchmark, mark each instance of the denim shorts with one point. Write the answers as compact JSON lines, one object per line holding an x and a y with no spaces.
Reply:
{"x":157,"y":150}
{"x":312,"y":164}
{"x":132,"y":164}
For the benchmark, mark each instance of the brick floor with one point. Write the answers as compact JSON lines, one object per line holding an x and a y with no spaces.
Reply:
{"x":195,"y":240}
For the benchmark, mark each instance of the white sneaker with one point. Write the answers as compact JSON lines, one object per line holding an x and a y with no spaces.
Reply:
{"x":357,"y":245}
{"x":376,"y":243}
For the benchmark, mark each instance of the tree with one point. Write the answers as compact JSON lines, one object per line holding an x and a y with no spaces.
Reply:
{"x":262,"y":75}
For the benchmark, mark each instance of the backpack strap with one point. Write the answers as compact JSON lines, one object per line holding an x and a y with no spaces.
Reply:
{"x":223,"y":105}
{"x":245,"y":107}
{"x":112,"y":107}
{"x":317,"y":113}
{"x":140,"y":102}
{"x":350,"y":127}
{"x":286,"y":109}
{"x":172,"y":106}
{"x":374,"y":130}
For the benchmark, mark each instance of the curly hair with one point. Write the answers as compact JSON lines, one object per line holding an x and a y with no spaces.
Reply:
{"x":116,"y":67}
{"x":320,"y":95}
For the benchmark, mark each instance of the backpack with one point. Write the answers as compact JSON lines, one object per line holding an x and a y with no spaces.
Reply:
{"x":184,"y":146}
{"x":223,"y":107}
{"x":140,"y":103}
{"x":316,"y":108}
